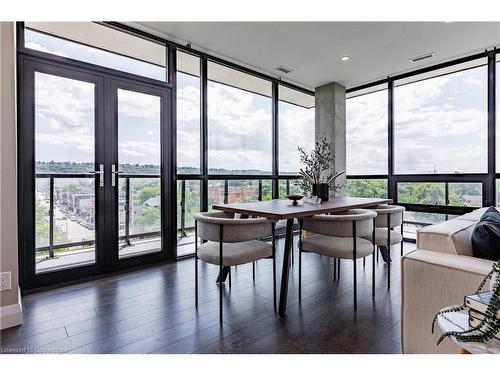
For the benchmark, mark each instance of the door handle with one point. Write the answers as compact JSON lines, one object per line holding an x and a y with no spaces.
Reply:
{"x":114,"y":175}
{"x":100,"y":172}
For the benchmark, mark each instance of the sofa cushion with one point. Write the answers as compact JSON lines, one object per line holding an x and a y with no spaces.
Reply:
{"x":486,"y":236}
{"x":451,"y":236}
{"x":234,"y":254}
{"x":338,"y":247}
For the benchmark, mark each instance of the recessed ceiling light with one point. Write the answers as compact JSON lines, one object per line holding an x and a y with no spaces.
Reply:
{"x":422,"y":57}
{"x":345,"y":58}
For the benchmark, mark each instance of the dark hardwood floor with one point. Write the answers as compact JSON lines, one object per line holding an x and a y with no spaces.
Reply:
{"x":152,"y":311}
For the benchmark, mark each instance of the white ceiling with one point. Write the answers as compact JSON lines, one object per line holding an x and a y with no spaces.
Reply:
{"x":313,"y":49}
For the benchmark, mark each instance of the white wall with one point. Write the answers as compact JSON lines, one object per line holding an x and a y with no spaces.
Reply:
{"x":10,"y":302}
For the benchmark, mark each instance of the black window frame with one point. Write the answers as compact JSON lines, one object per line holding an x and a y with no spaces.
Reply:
{"x":170,"y":230}
{"x":486,"y":179}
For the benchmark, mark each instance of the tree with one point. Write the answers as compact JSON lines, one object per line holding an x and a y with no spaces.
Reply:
{"x":147,"y":192}
{"x":148,"y":219}
{"x":366,"y":188}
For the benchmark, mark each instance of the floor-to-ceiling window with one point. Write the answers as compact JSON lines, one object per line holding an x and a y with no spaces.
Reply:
{"x":296,"y":129}
{"x":64,"y":189}
{"x":102,"y":136}
{"x":188,"y":149}
{"x":441,"y":127}
{"x":437,"y":160}
{"x":441,"y":123}
{"x":93,"y":114}
{"x":239,"y":128}
{"x":239,"y":122}
{"x":367,"y":143}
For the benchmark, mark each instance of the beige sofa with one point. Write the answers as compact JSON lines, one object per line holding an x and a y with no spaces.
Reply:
{"x":438,"y":274}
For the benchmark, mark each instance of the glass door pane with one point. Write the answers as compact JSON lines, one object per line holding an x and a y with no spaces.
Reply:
{"x":139,"y":187}
{"x":65,"y":212}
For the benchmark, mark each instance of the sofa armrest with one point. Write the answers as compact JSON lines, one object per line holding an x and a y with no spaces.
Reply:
{"x":430,"y":281}
{"x":451,"y":236}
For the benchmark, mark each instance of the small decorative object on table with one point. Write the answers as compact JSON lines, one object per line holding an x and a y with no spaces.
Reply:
{"x":484,"y":309}
{"x":316,"y":174}
{"x":295,"y":198}
{"x":312,"y":199}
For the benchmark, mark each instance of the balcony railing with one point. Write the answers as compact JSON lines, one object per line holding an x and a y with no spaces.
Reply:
{"x":69,"y":208}
{"x":127,"y":209}
{"x":51,"y":247}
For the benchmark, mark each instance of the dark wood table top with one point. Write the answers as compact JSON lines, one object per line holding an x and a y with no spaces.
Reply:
{"x":284,"y":209}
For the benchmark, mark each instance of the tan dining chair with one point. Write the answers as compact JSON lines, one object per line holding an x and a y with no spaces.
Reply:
{"x":341,"y":236}
{"x":388,"y":218}
{"x":227,"y":242}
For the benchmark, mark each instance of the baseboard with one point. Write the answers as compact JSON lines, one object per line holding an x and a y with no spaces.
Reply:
{"x":11,"y":315}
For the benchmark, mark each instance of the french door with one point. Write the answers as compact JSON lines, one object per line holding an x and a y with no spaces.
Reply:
{"x":94,"y":181}
{"x":137,"y":189}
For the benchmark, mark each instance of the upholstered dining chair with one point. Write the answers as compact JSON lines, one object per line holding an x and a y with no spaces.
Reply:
{"x":388,"y":218}
{"x":227,"y":241}
{"x":340,"y":236}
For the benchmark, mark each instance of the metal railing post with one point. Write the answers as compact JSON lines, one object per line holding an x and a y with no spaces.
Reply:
{"x":51,"y":218}
{"x":127,"y":210}
{"x":183,"y":209}
{"x":226,"y":191}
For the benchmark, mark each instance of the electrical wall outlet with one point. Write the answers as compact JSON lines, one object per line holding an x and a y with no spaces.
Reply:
{"x":5,"y":281}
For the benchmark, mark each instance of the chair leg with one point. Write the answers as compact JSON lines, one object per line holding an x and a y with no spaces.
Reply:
{"x":373,"y":275}
{"x":364,"y":263}
{"x":334,"y":269}
{"x":300,"y":274}
{"x":220,"y":294}
{"x":293,"y":250}
{"x":378,"y":250}
{"x":196,"y":280}
{"x":388,"y":251}
{"x":274,"y":282}
{"x":389,"y":267}
{"x":338,"y":269}
{"x":402,"y":219}
{"x":229,"y":274}
{"x":355,"y":261}
{"x":253,"y":271}
{"x":196,"y":264}
{"x":273,"y":233}
{"x":375,"y":248}
{"x":221,"y":267}
{"x":355,"y":285}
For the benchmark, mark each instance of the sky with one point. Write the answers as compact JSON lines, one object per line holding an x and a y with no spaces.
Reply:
{"x":65,"y":48}
{"x":440,"y":125}
{"x":65,"y":123}
{"x":239,"y":128}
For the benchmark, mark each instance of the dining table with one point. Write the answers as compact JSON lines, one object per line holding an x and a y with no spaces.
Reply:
{"x":284,"y":209}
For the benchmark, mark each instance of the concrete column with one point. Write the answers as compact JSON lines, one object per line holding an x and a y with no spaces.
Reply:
{"x":10,"y":300}
{"x":330,"y":120}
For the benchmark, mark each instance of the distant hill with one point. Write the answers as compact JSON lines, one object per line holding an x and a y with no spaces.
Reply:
{"x":72,"y":167}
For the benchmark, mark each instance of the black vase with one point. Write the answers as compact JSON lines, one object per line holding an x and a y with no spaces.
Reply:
{"x":321,"y":191}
